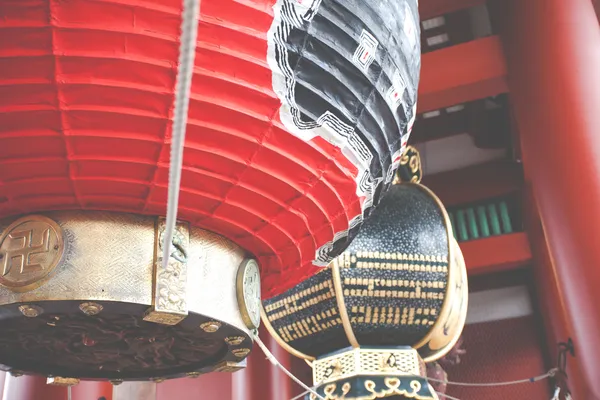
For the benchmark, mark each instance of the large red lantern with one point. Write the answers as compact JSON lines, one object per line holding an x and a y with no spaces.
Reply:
{"x":299,"y":113}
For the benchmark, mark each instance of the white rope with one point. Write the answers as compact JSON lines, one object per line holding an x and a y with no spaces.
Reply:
{"x":447,"y":396}
{"x":548,"y":374}
{"x":187,"y":53}
{"x":274,"y":361}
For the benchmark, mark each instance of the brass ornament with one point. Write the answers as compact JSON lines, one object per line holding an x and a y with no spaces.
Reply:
{"x":90,"y":308}
{"x":193,"y":375}
{"x":210,"y":326}
{"x":30,"y":250}
{"x":169,"y":302}
{"x":116,"y":382}
{"x":366,"y":361}
{"x":230,"y":366}
{"x":234,"y":340}
{"x":240,"y":353}
{"x":109,"y":261}
{"x":248,"y":292}
{"x":30,"y":311}
{"x":60,"y":381}
{"x":410,"y":168}
{"x":158,"y":380}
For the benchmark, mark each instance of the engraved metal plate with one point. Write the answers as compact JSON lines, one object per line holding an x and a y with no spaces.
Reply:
{"x":169,"y":290}
{"x":30,"y":250}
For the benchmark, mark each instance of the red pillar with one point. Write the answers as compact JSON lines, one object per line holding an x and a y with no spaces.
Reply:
{"x":35,"y":388}
{"x":261,"y":380}
{"x":92,"y":390}
{"x":553,"y":58}
{"x":31,"y":388}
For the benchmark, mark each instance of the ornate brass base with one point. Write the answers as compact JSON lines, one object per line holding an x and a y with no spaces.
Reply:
{"x":370,"y":373}
{"x":85,"y":295}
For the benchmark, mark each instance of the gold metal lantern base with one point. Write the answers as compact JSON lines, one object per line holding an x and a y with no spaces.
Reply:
{"x":371,"y":373}
{"x":85,"y":295}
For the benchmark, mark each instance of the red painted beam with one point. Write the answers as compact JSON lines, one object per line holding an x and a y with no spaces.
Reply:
{"x":462,"y":73}
{"x":497,"y":253}
{"x":433,"y":8}
{"x":480,"y":182}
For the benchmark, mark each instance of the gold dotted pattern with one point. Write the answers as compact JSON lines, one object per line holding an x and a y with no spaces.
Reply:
{"x":393,"y":315}
{"x":310,"y":325}
{"x":301,"y":300}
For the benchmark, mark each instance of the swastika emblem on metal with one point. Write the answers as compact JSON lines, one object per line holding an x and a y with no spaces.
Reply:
{"x":30,"y":249}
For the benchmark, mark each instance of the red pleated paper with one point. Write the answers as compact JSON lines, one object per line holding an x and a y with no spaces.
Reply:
{"x":86,"y":103}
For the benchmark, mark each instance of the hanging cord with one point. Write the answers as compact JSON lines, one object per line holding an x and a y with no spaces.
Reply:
{"x":69,"y":393}
{"x":548,"y":374}
{"x":447,"y":396}
{"x":304,"y":393}
{"x":187,"y":53}
{"x":274,"y":361}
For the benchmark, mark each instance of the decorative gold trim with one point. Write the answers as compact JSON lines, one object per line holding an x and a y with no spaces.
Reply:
{"x":39,"y":236}
{"x":279,"y":340}
{"x":461,"y":315}
{"x":169,"y":287}
{"x":393,"y":388}
{"x":339,"y":297}
{"x":240,"y":293}
{"x":448,"y":299}
{"x":369,"y":361}
{"x":60,"y":381}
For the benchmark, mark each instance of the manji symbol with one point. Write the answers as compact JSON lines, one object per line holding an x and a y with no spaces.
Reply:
{"x":23,"y":254}
{"x":30,"y":250}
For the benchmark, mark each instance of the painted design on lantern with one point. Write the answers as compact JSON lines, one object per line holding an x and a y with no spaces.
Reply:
{"x":371,"y":170}
{"x":365,"y":52}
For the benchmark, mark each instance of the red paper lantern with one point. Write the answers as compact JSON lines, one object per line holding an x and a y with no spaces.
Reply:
{"x":287,"y":147}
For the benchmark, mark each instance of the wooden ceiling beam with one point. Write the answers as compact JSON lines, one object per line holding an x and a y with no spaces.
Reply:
{"x":462,"y":73}
{"x":476,"y":183}
{"x":433,"y":8}
{"x":497,"y":253}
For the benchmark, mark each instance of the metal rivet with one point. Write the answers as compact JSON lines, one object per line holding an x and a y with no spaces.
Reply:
{"x":240,"y":353}
{"x":91,"y":308}
{"x":211,"y":326}
{"x":30,"y":311}
{"x":234,"y":340}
